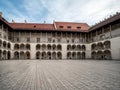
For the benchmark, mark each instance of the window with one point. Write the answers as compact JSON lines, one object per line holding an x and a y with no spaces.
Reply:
{"x":17,"y":39}
{"x":38,"y":40}
{"x":59,"y":40}
{"x":49,"y":39}
{"x":5,"y":37}
{"x":53,"y":34}
{"x":53,"y":41}
{"x":60,"y":26}
{"x":72,"y":40}
{"x":67,"y":41}
{"x":78,"y":27}
{"x":69,"y":27}
{"x":28,"y":39}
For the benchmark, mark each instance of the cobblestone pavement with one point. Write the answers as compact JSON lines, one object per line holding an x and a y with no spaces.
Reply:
{"x":59,"y":75}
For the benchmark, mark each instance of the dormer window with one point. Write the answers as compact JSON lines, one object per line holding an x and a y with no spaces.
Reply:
{"x":69,"y":27}
{"x":78,"y":27}
{"x":60,"y":26}
{"x":34,"y":26}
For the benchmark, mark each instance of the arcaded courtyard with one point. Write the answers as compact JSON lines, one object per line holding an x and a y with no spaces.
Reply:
{"x":59,"y":75}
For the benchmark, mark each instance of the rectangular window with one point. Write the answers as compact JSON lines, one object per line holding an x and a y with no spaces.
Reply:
{"x":17,"y":39}
{"x":61,"y":26}
{"x":59,"y":40}
{"x":38,"y":40}
{"x":53,"y":41}
{"x":73,"y":41}
{"x":49,"y":39}
{"x":67,"y":41}
{"x":5,"y":37}
{"x":69,"y":27}
{"x":28,"y":39}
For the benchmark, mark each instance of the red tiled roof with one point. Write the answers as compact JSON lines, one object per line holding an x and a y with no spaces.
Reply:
{"x":72,"y":26}
{"x":82,"y":27}
{"x":31,"y":26}
{"x":106,"y":22}
{"x":60,"y":26}
{"x":4,"y":21}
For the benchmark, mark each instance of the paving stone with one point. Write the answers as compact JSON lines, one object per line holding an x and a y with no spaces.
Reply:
{"x":59,"y":75}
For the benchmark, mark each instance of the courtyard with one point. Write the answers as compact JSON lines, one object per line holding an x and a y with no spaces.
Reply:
{"x":59,"y":75}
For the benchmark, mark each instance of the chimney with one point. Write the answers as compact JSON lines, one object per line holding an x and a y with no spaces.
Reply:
{"x":44,"y":22}
{"x":25,"y":21}
{"x":13,"y":21}
{"x":0,"y":14}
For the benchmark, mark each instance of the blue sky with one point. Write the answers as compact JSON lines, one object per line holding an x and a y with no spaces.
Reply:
{"x":38,"y":11}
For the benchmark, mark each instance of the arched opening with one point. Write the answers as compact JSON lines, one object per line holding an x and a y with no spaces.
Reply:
{"x":73,"y":47}
{"x":9,"y":45}
{"x":48,"y":55}
{"x":107,"y":45}
{"x":27,"y":55}
{"x":107,"y":55}
{"x":59,"y":55}
{"x":22,"y":46}
{"x":83,"y":55}
{"x":94,"y":55}
{"x":43,"y":47}
{"x":74,"y":55}
{"x":22,"y":55}
{"x":9,"y":55}
{"x":100,"y":46}
{"x":93,"y":47}
{"x":4,"y":44}
{"x":54,"y":55}
{"x":69,"y":55}
{"x":16,"y":55}
{"x":83,"y":48}
{"x":0,"y":43}
{"x":49,"y":47}
{"x":78,"y":55}
{"x":69,"y":47}
{"x":54,"y":47}
{"x":16,"y":46}
{"x":59,"y":47}
{"x":38,"y":55}
{"x":4,"y":54}
{"x":43,"y":55}
{"x":0,"y":54}
{"x":100,"y":55}
{"x":78,"y":47}
{"x":38,"y":47}
{"x":28,"y":46}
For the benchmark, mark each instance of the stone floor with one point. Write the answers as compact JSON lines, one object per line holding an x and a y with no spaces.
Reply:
{"x":59,"y":75}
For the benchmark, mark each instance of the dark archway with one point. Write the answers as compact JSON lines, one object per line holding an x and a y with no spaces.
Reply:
{"x":38,"y":55}
{"x":9,"y":55}
{"x":107,"y":54}
{"x":38,"y":47}
{"x":93,"y":55}
{"x":59,"y":55}
{"x":16,"y":55}
{"x":83,"y":55}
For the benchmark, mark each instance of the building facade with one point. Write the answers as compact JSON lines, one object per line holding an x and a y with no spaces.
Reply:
{"x":60,"y":40}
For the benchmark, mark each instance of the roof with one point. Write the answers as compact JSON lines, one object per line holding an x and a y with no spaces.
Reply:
{"x":79,"y":27}
{"x":4,"y":21}
{"x":71,"y":26}
{"x":60,"y":26}
{"x":106,"y":22}
{"x":31,"y":26}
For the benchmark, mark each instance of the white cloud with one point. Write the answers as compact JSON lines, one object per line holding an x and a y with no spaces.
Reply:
{"x":89,"y":11}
